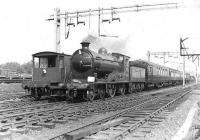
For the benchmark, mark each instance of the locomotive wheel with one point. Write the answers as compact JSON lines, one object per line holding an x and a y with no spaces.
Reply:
{"x":142,"y":87}
{"x":111,"y":91}
{"x":36,"y":95}
{"x":90,"y":95}
{"x":101,"y":93}
{"x":68,"y":96}
{"x":122,"y":90}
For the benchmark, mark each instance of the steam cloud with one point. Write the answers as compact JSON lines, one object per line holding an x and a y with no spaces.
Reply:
{"x":117,"y":45}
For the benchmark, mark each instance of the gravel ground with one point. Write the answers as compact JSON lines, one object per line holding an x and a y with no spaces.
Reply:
{"x":10,"y":88}
{"x":167,"y":129}
{"x":164,"y":131}
{"x":194,"y":133}
{"x":45,"y":132}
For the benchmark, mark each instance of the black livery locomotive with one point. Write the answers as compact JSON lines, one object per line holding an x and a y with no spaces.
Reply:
{"x":99,"y":74}
{"x":89,"y":75}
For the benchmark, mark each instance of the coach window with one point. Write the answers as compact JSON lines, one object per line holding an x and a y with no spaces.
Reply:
{"x":150,"y":69}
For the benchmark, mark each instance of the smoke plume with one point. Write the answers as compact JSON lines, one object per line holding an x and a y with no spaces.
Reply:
{"x":112,"y":44}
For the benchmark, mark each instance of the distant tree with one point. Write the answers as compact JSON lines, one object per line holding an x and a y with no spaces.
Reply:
{"x":27,"y":67}
{"x":14,"y":66}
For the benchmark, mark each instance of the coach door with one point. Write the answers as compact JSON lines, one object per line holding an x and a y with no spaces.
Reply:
{"x":150,"y":73}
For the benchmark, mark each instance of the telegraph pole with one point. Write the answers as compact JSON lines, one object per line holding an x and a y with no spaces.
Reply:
{"x":57,"y":29}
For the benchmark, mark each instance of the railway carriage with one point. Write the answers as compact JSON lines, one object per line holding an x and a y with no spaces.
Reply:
{"x":157,"y":75}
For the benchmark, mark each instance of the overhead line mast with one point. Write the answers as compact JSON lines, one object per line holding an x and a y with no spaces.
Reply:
{"x":183,"y":53}
{"x":162,"y":54}
{"x":68,"y":16}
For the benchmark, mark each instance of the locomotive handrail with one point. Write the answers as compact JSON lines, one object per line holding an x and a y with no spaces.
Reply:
{"x":83,"y":65}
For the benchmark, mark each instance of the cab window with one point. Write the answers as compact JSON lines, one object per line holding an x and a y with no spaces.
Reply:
{"x":36,"y":62}
{"x":119,"y":58}
{"x":47,"y":62}
{"x":61,"y":62}
{"x":51,"y":61}
{"x":43,"y":62}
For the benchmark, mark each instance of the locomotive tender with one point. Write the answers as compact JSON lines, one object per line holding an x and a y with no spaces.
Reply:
{"x":87,"y":74}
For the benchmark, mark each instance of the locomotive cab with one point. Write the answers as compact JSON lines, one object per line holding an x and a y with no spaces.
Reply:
{"x":49,"y":67}
{"x":50,"y":71}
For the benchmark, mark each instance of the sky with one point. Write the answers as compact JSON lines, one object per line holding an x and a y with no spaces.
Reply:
{"x":24,"y":30}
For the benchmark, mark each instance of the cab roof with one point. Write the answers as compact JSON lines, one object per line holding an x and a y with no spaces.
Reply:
{"x":48,"y":53}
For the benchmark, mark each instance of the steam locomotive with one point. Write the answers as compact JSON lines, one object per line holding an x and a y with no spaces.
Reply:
{"x":89,"y":75}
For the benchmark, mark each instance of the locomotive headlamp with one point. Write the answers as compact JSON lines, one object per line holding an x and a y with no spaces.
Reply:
{"x":76,"y":81}
{"x":61,"y":84}
{"x":91,"y":79}
{"x":44,"y":71}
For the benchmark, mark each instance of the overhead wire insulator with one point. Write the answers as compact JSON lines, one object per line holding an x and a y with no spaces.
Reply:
{"x":79,"y":22}
{"x":70,"y":22}
{"x":112,"y":15}
{"x":105,"y":20}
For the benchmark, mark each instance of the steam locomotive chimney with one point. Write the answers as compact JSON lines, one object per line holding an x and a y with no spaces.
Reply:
{"x":85,"y":45}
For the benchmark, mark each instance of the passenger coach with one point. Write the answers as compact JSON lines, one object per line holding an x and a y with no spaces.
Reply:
{"x":158,"y":75}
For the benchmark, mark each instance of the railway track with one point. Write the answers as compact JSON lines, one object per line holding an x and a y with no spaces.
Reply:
{"x":12,"y":96}
{"x":20,"y":100}
{"x":121,"y":123}
{"x":14,"y":80}
{"x":55,"y":116}
{"x":48,"y":114}
{"x":57,"y":112}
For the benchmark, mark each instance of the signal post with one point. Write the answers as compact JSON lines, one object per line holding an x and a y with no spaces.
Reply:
{"x":57,"y":29}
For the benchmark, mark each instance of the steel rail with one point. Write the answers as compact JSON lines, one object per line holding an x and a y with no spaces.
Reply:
{"x":149,"y":117}
{"x":106,"y":118}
